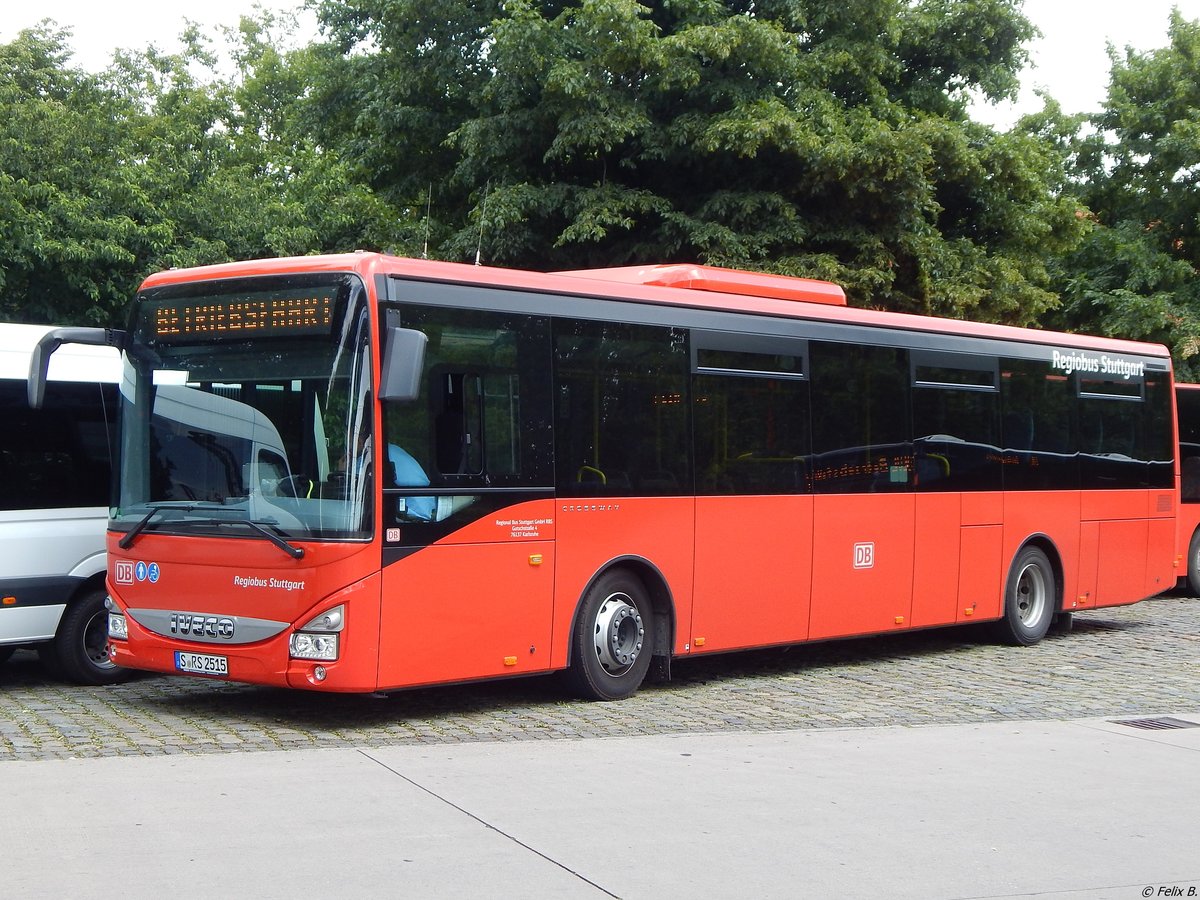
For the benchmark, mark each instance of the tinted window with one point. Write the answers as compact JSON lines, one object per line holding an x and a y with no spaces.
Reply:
{"x":860,"y":418}
{"x":58,"y":456}
{"x":1188,"y":400}
{"x":482,"y":417}
{"x":1121,"y":434}
{"x":956,"y":425}
{"x":1038,"y":430}
{"x":751,"y":435}
{"x":621,"y":409}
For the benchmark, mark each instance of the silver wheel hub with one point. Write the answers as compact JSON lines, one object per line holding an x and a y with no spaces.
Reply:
{"x":95,"y":640}
{"x":619,"y":633}
{"x":1031,"y":594}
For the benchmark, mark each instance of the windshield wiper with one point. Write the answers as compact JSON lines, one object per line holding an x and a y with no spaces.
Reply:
{"x":131,"y":535}
{"x":290,"y":549}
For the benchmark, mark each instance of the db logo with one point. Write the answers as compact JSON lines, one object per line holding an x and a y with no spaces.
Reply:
{"x":864,"y":556}
{"x":123,"y":571}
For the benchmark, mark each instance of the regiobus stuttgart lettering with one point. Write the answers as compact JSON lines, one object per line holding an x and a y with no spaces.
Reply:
{"x":1075,"y":361}
{"x":279,"y":584}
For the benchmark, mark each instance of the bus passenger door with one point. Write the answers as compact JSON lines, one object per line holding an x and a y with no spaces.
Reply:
{"x":753,"y":510}
{"x":863,"y":474}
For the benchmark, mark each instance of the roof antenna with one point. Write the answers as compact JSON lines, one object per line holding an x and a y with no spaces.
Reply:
{"x":482,"y":213}
{"x":428,"y":210}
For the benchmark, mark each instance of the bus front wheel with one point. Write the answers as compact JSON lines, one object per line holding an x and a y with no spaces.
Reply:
{"x":611,"y":646}
{"x":1029,"y":599}
{"x":79,"y":651}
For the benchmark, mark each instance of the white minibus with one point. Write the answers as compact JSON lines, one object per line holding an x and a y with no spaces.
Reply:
{"x":55,"y":465}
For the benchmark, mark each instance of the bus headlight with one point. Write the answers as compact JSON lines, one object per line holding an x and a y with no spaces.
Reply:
{"x":318,"y":637}
{"x":314,"y":646}
{"x":118,"y":628}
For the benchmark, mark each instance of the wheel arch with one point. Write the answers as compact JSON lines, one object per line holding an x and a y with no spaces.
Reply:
{"x":91,"y":567}
{"x":86,"y":586}
{"x":659,"y":591}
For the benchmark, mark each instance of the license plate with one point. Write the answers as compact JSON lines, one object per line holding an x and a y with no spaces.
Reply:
{"x":201,"y":663}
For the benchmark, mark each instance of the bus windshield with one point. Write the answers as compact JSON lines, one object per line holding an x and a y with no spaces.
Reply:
{"x":246,"y":410}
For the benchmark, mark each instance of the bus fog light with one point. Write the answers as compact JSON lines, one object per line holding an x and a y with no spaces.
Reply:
{"x":314,"y":646}
{"x":118,"y":628}
{"x":319,"y":673}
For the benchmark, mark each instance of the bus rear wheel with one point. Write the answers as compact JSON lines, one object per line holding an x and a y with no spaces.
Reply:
{"x":611,"y":646}
{"x":79,"y":652}
{"x":1193,"y":565}
{"x":1029,"y":599}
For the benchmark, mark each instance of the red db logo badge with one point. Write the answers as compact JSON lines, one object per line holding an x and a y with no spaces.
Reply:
{"x":864,"y":556}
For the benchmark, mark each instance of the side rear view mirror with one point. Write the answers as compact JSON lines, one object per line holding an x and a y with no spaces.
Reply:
{"x":39,"y":360}
{"x":403,"y":361}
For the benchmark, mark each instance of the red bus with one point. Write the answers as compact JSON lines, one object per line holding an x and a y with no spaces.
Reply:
{"x":365,"y":473}
{"x":1187,"y":402}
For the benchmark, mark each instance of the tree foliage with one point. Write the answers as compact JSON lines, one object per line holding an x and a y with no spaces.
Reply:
{"x":799,"y":136}
{"x":161,"y":161}
{"x":1135,"y":274}
{"x":75,"y":223}
{"x":809,"y":137}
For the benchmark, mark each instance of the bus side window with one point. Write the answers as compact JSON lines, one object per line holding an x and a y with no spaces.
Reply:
{"x":861,"y":420}
{"x":621,"y":407}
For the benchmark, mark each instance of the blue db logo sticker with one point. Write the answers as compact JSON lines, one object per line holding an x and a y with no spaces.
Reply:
{"x":864,"y":556}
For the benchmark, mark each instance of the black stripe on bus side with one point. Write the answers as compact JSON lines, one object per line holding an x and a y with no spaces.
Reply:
{"x":417,"y":535}
{"x":52,"y":590}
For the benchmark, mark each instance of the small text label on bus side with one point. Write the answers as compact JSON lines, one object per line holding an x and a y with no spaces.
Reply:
{"x":1076,"y":361}
{"x":524,"y":528}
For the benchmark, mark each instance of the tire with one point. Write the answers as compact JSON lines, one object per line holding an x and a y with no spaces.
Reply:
{"x":611,"y":646}
{"x":80,"y":649}
{"x":1030,"y":599}
{"x":1193,"y":565}
{"x":6,"y":654}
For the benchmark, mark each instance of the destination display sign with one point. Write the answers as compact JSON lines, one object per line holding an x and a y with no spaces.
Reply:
{"x":266,"y":314}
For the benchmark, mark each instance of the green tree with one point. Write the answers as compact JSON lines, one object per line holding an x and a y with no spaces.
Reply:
{"x":164,"y":160}
{"x":1135,"y":275}
{"x":820,"y":138}
{"x":77,"y":223}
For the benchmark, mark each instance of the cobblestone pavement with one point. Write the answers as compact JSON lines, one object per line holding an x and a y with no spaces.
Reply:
{"x":1133,"y":661}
